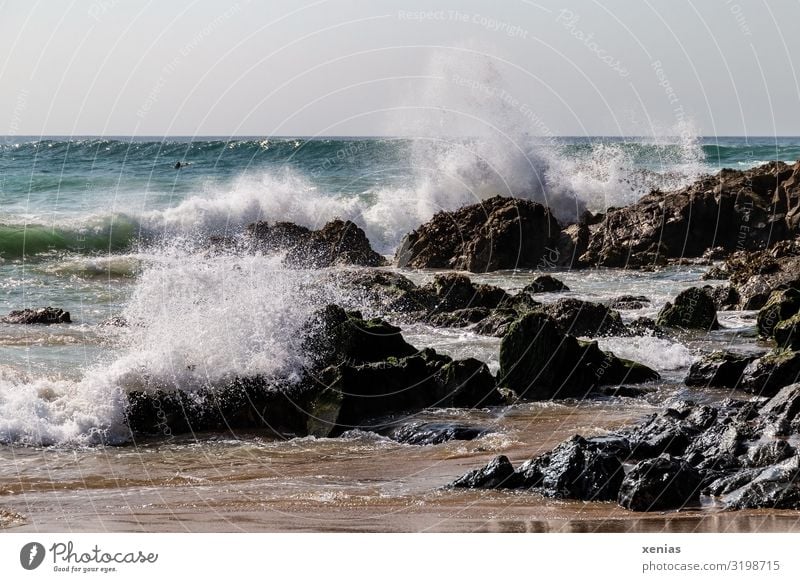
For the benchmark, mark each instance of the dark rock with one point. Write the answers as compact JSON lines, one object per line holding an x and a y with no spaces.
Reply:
{"x":771,"y":372}
{"x":776,"y":487}
{"x":459,"y":317}
{"x":387,"y":292}
{"x":454,"y":291}
{"x":572,"y":244}
{"x":731,"y":482}
{"x":498,"y":233}
{"x":769,"y":453}
{"x":781,"y":305}
{"x":433,"y":433}
{"x":660,"y":483}
{"x":692,"y":309}
{"x":749,"y":210}
{"x":580,"y":469}
{"x":339,"y":242}
{"x":333,"y":336}
{"x":497,"y":323}
{"x":538,"y":362}
{"x":718,"y":369}
{"x":629,"y":302}
{"x":623,"y":391}
{"x":43,"y":315}
{"x":498,"y":474}
{"x":781,"y":413}
{"x":584,"y":318}
{"x":757,"y":274}
{"x":545,"y":284}
{"x":725,"y":297}
{"x":348,"y":395}
{"x":787,"y":332}
{"x":645,"y":326}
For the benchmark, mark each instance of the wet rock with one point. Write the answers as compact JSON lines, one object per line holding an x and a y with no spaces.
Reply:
{"x":539,"y":362}
{"x":718,"y":369}
{"x":645,"y":326}
{"x":757,"y":274}
{"x":497,"y":323}
{"x":584,"y":318}
{"x":629,"y":302}
{"x":433,"y":433}
{"x":781,"y":305}
{"x":333,"y":336}
{"x":498,"y":474}
{"x":769,"y":453}
{"x":459,"y":317}
{"x":781,"y":413}
{"x":725,"y":297}
{"x":671,"y":431}
{"x":660,"y":483}
{"x":691,"y":309}
{"x":674,"y":225}
{"x":787,"y":332}
{"x":766,"y":375}
{"x":623,"y":391}
{"x":454,"y":291}
{"x":544,"y":284}
{"x":43,"y":315}
{"x":387,"y":292}
{"x":572,"y":244}
{"x":579,"y":469}
{"x":348,"y":395}
{"x":776,"y":487}
{"x":498,"y":233}
{"x":339,"y":242}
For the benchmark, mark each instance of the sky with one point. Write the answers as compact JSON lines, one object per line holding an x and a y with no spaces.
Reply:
{"x":379,"y":67}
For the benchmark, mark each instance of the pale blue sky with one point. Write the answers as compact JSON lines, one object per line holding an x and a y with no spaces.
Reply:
{"x":347,"y":67}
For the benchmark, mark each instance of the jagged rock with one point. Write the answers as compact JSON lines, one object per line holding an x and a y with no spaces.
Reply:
{"x":692,"y":309}
{"x":544,"y":284}
{"x":769,"y":453}
{"x":725,"y":297}
{"x":776,"y":487}
{"x":660,"y":483}
{"x":766,"y":375}
{"x":433,"y":433}
{"x":782,"y":304}
{"x":332,"y":336}
{"x":385,"y":291}
{"x":572,"y":244}
{"x":718,"y":369}
{"x":749,"y":210}
{"x":538,"y":362}
{"x":787,"y":332}
{"x":578,"y":468}
{"x":781,"y":413}
{"x":455,"y":291}
{"x":43,"y":315}
{"x":584,"y":318}
{"x":629,"y":302}
{"x":498,"y":474}
{"x":498,"y":233}
{"x":645,"y":326}
{"x":497,"y":323}
{"x":351,"y":394}
{"x":339,"y":242}
{"x":757,"y":274}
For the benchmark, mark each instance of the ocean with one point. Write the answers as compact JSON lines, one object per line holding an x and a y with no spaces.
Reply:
{"x":108,"y":227}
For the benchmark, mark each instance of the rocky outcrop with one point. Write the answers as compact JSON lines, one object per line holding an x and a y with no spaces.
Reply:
{"x":756,"y":274}
{"x":691,"y":309}
{"x":544,"y":284}
{"x":43,"y":315}
{"x":358,"y":371}
{"x":737,"y":452}
{"x":339,"y":242}
{"x":718,"y":370}
{"x":766,"y":375}
{"x":498,"y":233}
{"x":629,"y":302}
{"x":584,"y":318}
{"x":660,"y":483}
{"x":734,"y":210}
{"x":539,"y":362}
